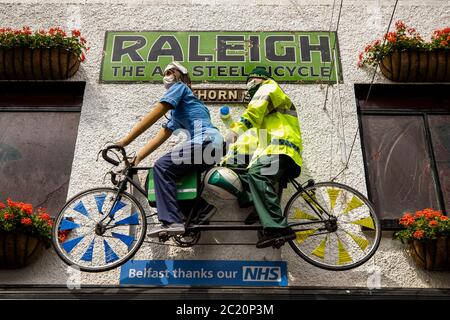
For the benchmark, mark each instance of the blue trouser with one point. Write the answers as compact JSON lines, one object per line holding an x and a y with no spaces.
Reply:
{"x":188,"y":158}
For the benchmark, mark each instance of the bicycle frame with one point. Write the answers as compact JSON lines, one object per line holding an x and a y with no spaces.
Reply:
{"x":117,"y":197}
{"x":130,"y":172}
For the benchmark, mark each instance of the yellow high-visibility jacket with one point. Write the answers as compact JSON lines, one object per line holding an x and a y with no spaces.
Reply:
{"x":246,"y":144}
{"x":271,"y":110}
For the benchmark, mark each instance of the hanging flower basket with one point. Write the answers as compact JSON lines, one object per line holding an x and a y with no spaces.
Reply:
{"x":23,"y":233}
{"x":417,"y":66}
{"x":431,"y":254}
{"x":22,"y":63}
{"x":42,"y":55}
{"x":404,"y":56}
{"x":427,"y":233}
{"x":18,"y":250}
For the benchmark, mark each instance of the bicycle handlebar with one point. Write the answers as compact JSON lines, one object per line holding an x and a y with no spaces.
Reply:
{"x":110,"y":160}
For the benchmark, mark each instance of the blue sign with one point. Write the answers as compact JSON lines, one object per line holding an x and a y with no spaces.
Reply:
{"x":204,"y":272}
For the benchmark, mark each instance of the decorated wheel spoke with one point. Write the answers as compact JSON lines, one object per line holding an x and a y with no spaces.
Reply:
{"x":100,"y":200}
{"x":86,"y":237}
{"x":128,"y":240}
{"x":119,"y":205}
{"x":319,"y":251}
{"x":67,"y":224}
{"x":343,"y":255}
{"x":337,"y":240}
{"x":70,"y":244}
{"x":87,"y":256}
{"x":131,"y":220}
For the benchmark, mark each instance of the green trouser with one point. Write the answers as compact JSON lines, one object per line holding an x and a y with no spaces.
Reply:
{"x":262,"y":177}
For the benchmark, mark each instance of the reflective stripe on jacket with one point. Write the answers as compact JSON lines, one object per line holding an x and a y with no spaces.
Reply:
{"x":273,"y":111}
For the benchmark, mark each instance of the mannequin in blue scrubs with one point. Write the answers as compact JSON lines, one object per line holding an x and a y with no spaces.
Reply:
{"x":201,"y":150}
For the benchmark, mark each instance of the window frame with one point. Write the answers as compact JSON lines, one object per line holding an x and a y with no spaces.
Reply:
{"x":438,"y":104}
{"x":49,"y":97}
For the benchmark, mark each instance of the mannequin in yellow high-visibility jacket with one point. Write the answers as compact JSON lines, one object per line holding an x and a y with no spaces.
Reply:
{"x":278,"y":155}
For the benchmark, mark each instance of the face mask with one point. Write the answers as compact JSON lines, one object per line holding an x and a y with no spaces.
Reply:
{"x":252,"y":87}
{"x":168,"y":81}
{"x":251,"y":84}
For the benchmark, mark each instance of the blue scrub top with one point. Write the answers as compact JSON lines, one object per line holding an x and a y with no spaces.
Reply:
{"x":190,"y":114}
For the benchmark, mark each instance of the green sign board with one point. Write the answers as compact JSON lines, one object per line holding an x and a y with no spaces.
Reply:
{"x":221,"y":56}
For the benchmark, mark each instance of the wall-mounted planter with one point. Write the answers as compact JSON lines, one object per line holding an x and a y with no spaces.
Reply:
{"x":417,"y":66}
{"x":17,"y":250}
{"x":23,"y":63}
{"x":431,"y":254}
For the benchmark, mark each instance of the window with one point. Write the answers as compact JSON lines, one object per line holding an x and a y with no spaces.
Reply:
{"x":38,"y":130}
{"x":405,"y":134}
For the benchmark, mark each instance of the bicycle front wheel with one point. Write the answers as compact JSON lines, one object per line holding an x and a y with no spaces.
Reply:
{"x":99,"y":229}
{"x":345,"y":239}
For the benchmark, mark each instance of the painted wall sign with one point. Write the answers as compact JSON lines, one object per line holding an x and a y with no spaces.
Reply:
{"x":220,"y":95}
{"x":221,"y":56}
{"x":204,"y":272}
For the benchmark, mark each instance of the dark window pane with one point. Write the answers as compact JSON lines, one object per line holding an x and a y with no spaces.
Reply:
{"x":36,"y":154}
{"x":398,"y":164}
{"x":440,"y":136}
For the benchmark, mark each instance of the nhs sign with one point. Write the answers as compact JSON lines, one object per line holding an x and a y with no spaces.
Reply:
{"x":261,"y":273}
{"x":204,"y":273}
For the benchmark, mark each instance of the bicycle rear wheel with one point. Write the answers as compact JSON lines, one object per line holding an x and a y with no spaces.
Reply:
{"x":354,"y":236}
{"x":98,"y":230}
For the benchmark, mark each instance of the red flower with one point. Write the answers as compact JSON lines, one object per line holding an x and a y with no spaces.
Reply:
{"x":8,"y":216}
{"x":433,"y":223}
{"x":391,"y":37}
{"x":76,"y":33}
{"x":27,"y":31}
{"x":62,"y":235}
{"x":27,"y":208}
{"x":2,"y":206}
{"x":407,"y":219}
{"x":418,"y":234}
{"x":443,"y":218}
{"x":44,"y":216}
{"x":419,"y":214}
{"x":400,"y":25}
{"x":26,"y":221}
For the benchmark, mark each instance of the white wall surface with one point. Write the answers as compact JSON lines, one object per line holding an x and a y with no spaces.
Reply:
{"x":110,"y":110}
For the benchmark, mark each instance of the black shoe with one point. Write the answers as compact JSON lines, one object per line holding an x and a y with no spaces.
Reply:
{"x":205,"y":214}
{"x":252,"y":218}
{"x":275,"y":238}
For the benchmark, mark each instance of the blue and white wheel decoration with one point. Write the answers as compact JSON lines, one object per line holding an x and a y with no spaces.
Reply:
{"x":96,"y":231}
